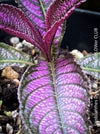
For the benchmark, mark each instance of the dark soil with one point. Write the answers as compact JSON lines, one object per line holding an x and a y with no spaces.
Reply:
{"x":8,"y":95}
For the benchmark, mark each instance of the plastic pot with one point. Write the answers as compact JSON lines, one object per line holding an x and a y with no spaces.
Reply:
{"x":82,"y":31}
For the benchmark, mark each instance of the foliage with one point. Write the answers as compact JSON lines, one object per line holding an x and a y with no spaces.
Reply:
{"x":53,"y":94}
{"x":10,"y":56}
{"x":91,"y":64}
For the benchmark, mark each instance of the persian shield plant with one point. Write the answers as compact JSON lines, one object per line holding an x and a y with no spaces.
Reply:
{"x":53,"y":94}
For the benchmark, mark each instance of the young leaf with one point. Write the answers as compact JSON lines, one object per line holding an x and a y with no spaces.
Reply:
{"x":53,"y":98}
{"x":14,"y":21}
{"x":61,"y":10}
{"x":56,"y":14}
{"x":36,"y":11}
{"x":10,"y":56}
{"x":91,"y":64}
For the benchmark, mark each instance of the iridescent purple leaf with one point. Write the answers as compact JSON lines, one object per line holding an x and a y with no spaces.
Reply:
{"x":49,"y":36}
{"x":36,"y":11}
{"x":14,"y":21}
{"x":53,"y":98}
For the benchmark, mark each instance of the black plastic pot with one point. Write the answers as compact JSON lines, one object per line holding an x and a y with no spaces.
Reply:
{"x":82,"y":31}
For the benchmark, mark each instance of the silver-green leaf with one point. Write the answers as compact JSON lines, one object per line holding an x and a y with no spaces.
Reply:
{"x":91,"y":64}
{"x":11,"y":56}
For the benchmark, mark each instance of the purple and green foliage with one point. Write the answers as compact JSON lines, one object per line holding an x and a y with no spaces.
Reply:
{"x":53,"y":98}
{"x":36,"y":11}
{"x":53,"y":94}
{"x":16,"y":22}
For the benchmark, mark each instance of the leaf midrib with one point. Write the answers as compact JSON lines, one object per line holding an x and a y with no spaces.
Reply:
{"x":91,"y":69}
{"x":42,"y":7}
{"x":52,"y":66}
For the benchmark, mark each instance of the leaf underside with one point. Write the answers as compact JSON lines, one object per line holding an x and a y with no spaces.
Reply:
{"x":61,"y":10}
{"x":53,"y":98}
{"x":91,"y":64}
{"x":10,"y":56}
{"x":14,"y":21}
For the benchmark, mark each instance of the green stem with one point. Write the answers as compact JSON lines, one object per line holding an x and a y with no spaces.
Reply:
{"x":14,"y":61}
{"x":56,"y":96}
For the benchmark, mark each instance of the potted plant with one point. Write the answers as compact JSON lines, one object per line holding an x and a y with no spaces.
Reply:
{"x":54,"y":93}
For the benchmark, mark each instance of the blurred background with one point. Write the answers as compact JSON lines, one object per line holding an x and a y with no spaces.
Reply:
{"x":92,"y":5}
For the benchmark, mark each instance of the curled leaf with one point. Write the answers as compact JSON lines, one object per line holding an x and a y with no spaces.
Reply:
{"x":53,"y":98}
{"x":58,"y":12}
{"x":61,"y":10}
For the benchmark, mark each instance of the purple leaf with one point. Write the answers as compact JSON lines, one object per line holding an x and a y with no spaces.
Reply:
{"x":56,"y":14}
{"x":36,"y":11}
{"x":53,"y":98}
{"x":61,"y":10}
{"x":14,"y":21}
{"x":49,"y":36}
